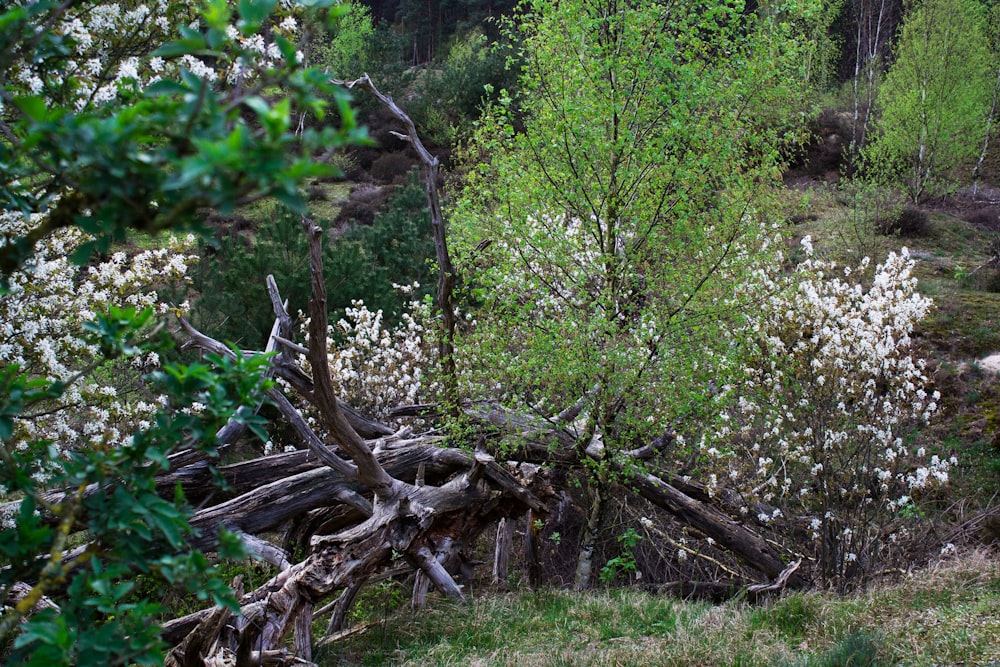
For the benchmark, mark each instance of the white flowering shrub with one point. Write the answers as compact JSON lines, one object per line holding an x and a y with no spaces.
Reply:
{"x":377,"y":368}
{"x":823,"y":411}
{"x":635,"y":330}
{"x":42,"y":319}
{"x":108,"y":50}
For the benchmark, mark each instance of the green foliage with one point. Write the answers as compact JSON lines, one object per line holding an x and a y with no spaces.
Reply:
{"x":112,"y":495}
{"x":624,"y":563}
{"x":935,"y":98}
{"x":362,"y":263}
{"x":345,"y":49}
{"x":427,"y":27}
{"x":817,"y":44}
{"x":449,"y":95}
{"x":151,"y":160}
{"x":623,"y":193}
{"x":143,"y":142}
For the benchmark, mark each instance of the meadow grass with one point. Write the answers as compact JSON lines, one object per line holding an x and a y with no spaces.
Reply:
{"x":948,"y":614}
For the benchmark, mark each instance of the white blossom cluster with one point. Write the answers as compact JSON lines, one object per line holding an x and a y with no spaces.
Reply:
{"x":41,"y":321}
{"x":106,"y":42}
{"x":822,"y":414}
{"x":377,"y":368}
{"x":555,"y":286}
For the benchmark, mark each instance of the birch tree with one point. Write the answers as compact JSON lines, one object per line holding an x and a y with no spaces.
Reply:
{"x":935,"y":97}
{"x":624,"y":191}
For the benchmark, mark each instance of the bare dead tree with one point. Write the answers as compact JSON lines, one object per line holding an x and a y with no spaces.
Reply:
{"x":446,"y":270}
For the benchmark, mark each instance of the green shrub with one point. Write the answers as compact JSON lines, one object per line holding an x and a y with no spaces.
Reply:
{"x":906,"y":222}
{"x":363,"y":263}
{"x":449,"y":96}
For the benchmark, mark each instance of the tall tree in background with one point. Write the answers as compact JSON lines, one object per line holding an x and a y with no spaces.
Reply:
{"x":428,"y":25}
{"x":935,"y":97}
{"x":874,"y":24}
{"x":618,"y":218}
{"x":993,"y":32}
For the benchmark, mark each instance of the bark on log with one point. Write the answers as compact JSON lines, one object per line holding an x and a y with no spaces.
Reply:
{"x":729,"y":533}
{"x":502,"y":550}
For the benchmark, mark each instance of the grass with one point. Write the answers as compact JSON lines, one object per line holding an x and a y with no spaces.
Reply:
{"x":965,"y":323}
{"x":325,"y":200}
{"x":946,"y":615}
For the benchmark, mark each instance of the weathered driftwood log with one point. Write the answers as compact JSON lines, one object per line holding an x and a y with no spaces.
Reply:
{"x":541,"y":442}
{"x":742,"y":542}
{"x":425,"y":524}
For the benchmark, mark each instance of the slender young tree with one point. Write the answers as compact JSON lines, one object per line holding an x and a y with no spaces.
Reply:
{"x":935,"y":97}
{"x":624,"y":191}
{"x":993,"y":30}
{"x":875,"y":23}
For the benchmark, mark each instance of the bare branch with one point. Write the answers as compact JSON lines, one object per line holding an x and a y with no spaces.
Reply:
{"x":446,"y":270}
{"x":370,"y":472}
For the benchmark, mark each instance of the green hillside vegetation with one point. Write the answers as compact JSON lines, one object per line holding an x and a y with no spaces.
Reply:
{"x":693,"y":340}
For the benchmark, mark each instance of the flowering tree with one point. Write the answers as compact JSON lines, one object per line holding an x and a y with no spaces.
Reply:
{"x":115,"y":118}
{"x":606,"y":234}
{"x":825,"y":406}
{"x":45,"y":313}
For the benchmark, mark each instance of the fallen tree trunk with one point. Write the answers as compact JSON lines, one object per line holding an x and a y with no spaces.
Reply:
{"x":749,"y":547}
{"x":424,"y":523}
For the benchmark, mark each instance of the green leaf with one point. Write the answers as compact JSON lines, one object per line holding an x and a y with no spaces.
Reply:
{"x":253,"y":13}
{"x":11,"y":17}
{"x":258,"y":105}
{"x":165,"y":87}
{"x":181,"y":47}
{"x":217,"y":15}
{"x":32,"y":106}
{"x":286,"y":47}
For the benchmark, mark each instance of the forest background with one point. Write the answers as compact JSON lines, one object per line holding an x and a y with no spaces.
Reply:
{"x":671,"y":339}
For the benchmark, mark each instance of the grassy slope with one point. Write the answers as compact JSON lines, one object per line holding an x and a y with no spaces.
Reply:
{"x":947,"y":615}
